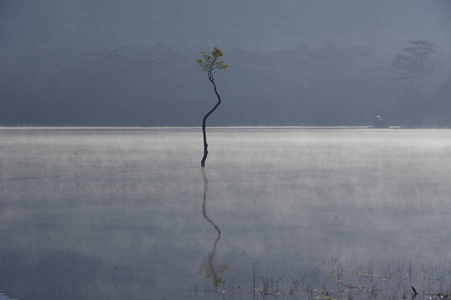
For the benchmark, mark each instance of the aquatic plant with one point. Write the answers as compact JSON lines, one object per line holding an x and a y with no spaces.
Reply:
{"x":362,"y":281}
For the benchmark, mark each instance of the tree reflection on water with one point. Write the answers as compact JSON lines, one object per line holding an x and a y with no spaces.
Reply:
{"x":209,"y":270}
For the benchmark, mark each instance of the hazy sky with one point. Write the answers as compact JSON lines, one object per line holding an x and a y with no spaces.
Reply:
{"x":132,"y":62}
{"x":243,"y":23}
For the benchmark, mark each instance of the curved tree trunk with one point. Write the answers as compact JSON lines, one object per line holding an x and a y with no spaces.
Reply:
{"x":217,"y":280}
{"x":204,"y":121}
{"x":204,"y":212}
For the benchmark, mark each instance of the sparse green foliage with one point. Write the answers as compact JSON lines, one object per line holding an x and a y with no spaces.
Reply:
{"x":211,"y":62}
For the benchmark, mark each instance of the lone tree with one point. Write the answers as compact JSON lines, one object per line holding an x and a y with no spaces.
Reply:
{"x":210,"y":63}
{"x":414,"y":65}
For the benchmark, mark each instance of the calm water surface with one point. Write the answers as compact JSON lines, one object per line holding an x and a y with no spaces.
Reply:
{"x":293,"y":213}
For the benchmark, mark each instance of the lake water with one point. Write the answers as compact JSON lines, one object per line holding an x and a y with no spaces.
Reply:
{"x":292,"y":213}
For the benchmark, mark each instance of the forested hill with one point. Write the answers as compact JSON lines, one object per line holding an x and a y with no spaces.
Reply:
{"x":292,"y":62}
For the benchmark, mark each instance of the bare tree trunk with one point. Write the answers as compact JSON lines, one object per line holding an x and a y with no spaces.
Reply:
{"x":204,"y":121}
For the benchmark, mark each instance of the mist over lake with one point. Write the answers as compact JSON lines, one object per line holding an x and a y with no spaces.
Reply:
{"x":112,"y":213}
{"x":102,"y":194}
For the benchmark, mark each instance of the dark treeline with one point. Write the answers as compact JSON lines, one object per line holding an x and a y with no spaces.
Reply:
{"x":94,"y":65}
{"x":151,"y":86}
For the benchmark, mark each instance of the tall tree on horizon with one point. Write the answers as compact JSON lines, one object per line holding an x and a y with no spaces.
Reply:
{"x":209,"y":63}
{"x":420,"y":51}
{"x":415,"y":66}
